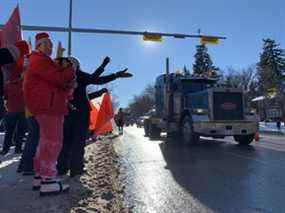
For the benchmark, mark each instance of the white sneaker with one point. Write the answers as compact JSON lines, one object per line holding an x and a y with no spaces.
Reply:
{"x":53,"y":187}
{"x":37,"y":183}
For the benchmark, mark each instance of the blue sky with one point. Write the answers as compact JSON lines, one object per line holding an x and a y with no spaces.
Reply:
{"x":245,"y":23}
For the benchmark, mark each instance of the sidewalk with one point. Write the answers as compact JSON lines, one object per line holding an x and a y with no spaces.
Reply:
{"x":96,"y":191}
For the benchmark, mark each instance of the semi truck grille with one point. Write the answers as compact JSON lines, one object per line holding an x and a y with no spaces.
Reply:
{"x":228,"y":106}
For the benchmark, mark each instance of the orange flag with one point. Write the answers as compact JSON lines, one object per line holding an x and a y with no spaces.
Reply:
{"x":105,"y":114}
{"x":108,"y":127}
{"x":93,"y":116}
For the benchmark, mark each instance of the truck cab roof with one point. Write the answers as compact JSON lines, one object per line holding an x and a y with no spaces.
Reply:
{"x":186,"y":84}
{"x":205,"y":80}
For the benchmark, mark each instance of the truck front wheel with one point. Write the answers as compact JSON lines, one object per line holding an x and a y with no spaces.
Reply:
{"x":244,"y":139}
{"x":154,"y":131}
{"x":188,"y":135}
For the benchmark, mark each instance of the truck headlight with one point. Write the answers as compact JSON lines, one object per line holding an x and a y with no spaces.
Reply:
{"x":200,"y":111}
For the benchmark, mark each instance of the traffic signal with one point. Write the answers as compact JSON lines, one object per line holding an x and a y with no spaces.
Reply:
{"x":152,"y":37}
{"x":209,"y":40}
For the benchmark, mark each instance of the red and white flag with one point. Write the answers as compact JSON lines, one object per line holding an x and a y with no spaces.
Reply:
{"x":12,"y":30}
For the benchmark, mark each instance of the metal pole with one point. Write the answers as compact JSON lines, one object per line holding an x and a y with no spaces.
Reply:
{"x":167,"y":89}
{"x":167,"y":66}
{"x":70,"y":28}
{"x":167,"y":74}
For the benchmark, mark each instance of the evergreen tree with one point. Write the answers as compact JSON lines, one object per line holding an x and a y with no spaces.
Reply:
{"x":203,"y":62}
{"x":271,"y":65}
{"x":186,"y":72}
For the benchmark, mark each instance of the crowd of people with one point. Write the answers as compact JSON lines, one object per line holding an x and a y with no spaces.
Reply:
{"x":47,"y":99}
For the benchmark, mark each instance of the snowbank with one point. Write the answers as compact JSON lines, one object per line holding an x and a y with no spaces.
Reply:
{"x":271,"y":127}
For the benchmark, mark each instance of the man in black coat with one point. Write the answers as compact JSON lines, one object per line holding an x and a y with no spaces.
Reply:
{"x":76,"y":123}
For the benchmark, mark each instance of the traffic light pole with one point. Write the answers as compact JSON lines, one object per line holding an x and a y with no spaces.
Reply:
{"x":167,"y":89}
{"x":107,"y":31}
{"x":70,"y":30}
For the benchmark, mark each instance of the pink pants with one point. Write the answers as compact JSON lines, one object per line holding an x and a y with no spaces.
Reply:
{"x":51,"y":139}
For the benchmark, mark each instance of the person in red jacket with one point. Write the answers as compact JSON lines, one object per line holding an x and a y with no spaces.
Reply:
{"x":8,"y":57}
{"x":13,"y":94}
{"x":15,"y":118}
{"x":45,"y":86}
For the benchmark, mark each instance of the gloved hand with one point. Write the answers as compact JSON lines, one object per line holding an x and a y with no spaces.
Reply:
{"x":124,"y":74}
{"x":105,"y":62}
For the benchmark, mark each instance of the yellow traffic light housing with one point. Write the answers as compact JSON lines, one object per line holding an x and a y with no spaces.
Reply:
{"x":152,"y":37}
{"x":209,"y":40}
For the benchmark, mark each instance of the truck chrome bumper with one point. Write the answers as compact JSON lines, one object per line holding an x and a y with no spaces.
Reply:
{"x":226,"y":128}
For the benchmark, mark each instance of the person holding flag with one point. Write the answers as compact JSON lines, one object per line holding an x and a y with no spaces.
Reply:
{"x":76,"y":124}
{"x":12,"y":52}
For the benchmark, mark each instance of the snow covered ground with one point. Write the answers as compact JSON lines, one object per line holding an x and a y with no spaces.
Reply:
{"x":271,"y":127}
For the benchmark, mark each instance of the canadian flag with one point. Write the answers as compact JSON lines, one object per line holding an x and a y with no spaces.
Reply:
{"x":11,"y":32}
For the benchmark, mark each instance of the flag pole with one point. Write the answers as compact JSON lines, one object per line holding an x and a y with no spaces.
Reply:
{"x":70,"y":28}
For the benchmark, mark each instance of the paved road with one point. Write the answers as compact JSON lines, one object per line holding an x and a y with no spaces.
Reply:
{"x":213,"y":176}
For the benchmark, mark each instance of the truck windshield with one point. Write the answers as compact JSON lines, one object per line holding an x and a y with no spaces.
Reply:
{"x":195,"y":86}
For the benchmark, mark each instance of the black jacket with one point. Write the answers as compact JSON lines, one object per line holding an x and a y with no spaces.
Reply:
{"x":5,"y":57}
{"x":80,"y":100}
{"x":96,"y":94}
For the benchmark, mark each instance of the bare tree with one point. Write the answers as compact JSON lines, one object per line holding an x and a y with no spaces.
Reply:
{"x":142,"y":103}
{"x":245,"y":79}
